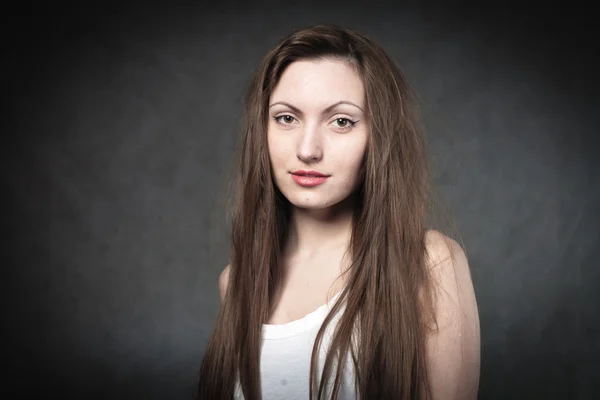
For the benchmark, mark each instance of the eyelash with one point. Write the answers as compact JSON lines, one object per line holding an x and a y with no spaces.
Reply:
{"x":343,"y":128}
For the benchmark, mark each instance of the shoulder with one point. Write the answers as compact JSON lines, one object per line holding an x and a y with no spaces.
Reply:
{"x":223,"y":281}
{"x":448,"y":266}
{"x":440,"y":249}
{"x":453,"y":349}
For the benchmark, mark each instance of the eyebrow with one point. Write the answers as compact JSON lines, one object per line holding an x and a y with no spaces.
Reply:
{"x":325,"y":111}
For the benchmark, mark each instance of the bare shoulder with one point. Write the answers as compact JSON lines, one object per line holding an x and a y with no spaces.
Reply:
{"x":453,"y":351}
{"x":223,"y":281}
{"x":441,"y":249}
{"x":447,"y":262}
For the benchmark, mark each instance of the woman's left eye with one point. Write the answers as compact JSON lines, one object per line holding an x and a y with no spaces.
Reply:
{"x":347,"y":123}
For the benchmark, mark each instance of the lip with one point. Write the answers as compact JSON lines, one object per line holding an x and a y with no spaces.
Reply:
{"x":308,"y":178}
{"x":301,"y":172}
{"x":309,"y":181}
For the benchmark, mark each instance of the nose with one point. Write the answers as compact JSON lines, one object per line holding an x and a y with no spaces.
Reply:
{"x":310,"y":146}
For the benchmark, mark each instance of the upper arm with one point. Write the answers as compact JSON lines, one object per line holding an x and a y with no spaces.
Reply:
{"x":223,"y":281}
{"x":453,"y":351}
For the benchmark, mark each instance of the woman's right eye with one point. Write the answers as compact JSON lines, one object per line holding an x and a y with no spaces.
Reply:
{"x":288,"y":119}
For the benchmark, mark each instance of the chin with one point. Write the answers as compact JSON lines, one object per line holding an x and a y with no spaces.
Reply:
{"x":312,"y":201}
{"x":310,"y":206}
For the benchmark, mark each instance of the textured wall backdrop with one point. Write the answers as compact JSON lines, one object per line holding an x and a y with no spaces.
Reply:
{"x":120,"y":127}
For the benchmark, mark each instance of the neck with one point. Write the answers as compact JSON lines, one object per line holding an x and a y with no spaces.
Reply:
{"x":313,"y":231}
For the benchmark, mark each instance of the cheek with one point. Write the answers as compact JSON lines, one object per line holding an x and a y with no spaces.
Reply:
{"x":352,"y":163}
{"x":279,"y":152}
{"x":352,"y":156}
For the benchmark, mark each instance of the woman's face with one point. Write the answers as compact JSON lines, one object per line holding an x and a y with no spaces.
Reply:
{"x":309,"y":129}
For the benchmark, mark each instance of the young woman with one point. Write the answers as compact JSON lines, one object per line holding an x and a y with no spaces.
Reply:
{"x":335,"y":287}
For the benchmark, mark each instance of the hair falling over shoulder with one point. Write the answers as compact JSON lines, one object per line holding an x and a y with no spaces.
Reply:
{"x":388,"y":297}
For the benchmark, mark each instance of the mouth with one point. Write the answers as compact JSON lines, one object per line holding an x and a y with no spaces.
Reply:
{"x":312,"y":174}
{"x":309,"y":178}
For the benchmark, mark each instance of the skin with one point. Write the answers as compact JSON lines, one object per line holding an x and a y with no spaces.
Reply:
{"x":304,"y":137}
{"x":332,"y":143}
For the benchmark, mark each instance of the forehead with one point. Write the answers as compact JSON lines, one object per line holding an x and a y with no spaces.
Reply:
{"x":316,"y":83}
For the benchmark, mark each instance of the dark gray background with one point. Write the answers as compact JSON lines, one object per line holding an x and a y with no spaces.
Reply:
{"x":120,"y":127}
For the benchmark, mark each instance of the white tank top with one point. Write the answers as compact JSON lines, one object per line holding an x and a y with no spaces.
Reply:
{"x":286,"y":353}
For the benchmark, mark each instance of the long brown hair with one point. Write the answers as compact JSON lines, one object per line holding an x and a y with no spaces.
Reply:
{"x":388,"y":296}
